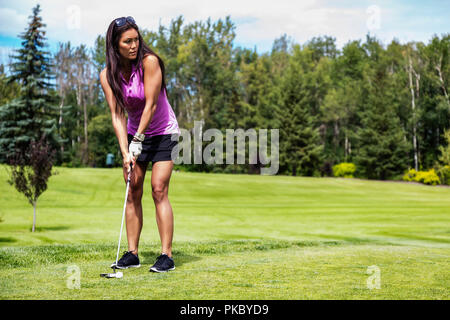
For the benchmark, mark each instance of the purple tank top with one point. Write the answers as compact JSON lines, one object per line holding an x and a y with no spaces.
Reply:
{"x":163,"y":121}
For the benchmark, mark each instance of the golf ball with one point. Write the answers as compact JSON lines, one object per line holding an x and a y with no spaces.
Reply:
{"x":119,"y":275}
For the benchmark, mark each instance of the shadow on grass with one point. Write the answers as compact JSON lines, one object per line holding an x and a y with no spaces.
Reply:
{"x":350,"y":240}
{"x":55,"y":228}
{"x":187,"y":252}
{"x":412,"y":236}
{"x":7,"y":239}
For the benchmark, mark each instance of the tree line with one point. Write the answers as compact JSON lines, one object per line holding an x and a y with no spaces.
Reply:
{"x":385,"y":108}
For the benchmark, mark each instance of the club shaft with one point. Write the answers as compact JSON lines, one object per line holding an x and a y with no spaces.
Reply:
{"x":123,"y":217}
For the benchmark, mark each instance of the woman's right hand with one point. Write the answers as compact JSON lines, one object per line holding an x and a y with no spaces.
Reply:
{"x":128,"y":160}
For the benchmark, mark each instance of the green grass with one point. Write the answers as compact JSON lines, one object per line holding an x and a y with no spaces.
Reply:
{"x":236,"y":237}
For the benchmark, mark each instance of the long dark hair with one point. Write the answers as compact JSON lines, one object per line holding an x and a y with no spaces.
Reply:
{"x":113,"y":60}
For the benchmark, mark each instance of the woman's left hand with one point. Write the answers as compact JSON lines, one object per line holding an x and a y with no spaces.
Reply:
{"x":135,"y":149}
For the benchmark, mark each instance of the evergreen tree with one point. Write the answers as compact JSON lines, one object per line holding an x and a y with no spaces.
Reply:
{"x":31,"y":115}
{"x":28,"y":123}
{"x":382,"y":150}
{"x":8,"y":91}
{"x":300,"y":148}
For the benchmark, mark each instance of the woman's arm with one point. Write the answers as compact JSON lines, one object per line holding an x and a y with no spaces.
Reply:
{"x":152,"y":88}
{"x":119,"y":121}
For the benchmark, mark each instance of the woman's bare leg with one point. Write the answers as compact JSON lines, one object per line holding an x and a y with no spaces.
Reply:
{"x":134,"y":205}
{"x":161,"y":172}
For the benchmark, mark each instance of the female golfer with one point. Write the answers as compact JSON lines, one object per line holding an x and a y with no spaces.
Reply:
{"x":133,"y":80}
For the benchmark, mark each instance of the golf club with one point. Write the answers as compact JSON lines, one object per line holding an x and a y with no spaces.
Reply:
{"x":119,"y":274}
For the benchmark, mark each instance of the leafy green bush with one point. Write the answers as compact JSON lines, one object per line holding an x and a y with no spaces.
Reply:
{"x":443,"y":165}
{"x":444,"y":174}
{"x":102,"y":140}
{"x":427,"y":177}
{"x":344,"y":169}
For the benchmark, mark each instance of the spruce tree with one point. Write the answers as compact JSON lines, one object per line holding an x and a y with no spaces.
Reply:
{"x":31,"y":115}
{"x":300,"y":148}
{"x":382,"y":149}
{"x":28,"y":123}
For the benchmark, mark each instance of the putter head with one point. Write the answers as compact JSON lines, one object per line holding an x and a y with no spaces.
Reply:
{"x":117,"y":275}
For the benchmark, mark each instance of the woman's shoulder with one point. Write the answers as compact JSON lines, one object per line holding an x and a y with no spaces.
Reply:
{"x":150,"y":61}
{"x":102,"y":76}
{"x":103,"y":73}
{"x":149,"y":57}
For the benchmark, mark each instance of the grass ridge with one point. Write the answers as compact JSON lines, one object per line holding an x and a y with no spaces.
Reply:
{"x":29,"y":256}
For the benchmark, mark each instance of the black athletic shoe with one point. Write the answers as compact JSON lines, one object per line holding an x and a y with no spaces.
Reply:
{"x":128,"y":260}
{"x":163,"y":264}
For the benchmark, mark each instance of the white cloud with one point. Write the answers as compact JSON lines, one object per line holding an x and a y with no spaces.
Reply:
{"x":80,"y":21}
{"x":268,"y":19}
{"x":12,"y":22}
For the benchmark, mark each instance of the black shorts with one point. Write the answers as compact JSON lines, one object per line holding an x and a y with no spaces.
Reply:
{"x":156,"y":148}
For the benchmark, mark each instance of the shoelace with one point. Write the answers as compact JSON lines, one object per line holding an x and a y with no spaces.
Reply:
{"x":159,"y":261}
{"x":125,"y":254}
{"x":162,"y":255}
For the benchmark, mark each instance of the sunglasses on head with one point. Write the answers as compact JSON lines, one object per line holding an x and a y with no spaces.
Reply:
{"x":121,"y":21}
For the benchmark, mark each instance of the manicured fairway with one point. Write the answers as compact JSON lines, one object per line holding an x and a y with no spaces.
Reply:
{"x":236,"y":237}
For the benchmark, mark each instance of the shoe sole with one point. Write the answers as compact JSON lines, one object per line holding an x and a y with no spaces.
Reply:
{"x":161,"y":271}
{"x":127,"y":267}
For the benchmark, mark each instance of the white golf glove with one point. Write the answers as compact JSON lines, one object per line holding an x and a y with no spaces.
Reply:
{"x":135,"y":148}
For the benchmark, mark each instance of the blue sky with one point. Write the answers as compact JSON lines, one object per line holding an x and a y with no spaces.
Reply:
{"x":258,"y":23}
